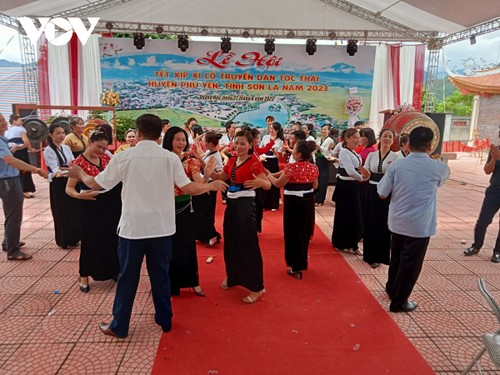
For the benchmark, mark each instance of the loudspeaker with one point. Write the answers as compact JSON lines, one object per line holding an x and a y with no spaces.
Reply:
{"x":29,"y":112}
{"x":440,"y":120}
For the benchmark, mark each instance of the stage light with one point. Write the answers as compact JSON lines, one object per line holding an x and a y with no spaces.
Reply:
{"x":159,"y":29}
{"x":139,"y":40}
{"x":352,"y":47}
{"x":311,"y":46}
{"x":183,"y":42}
{"x":245,"y":34}
{"x":472,"y":39}
{"x":225,"y":45}
{"x":109,"y":25}
{"x":204,"y":32}
{"x":269,"y":47}
{"x":290,"y":34}
{"x":332,"y":34}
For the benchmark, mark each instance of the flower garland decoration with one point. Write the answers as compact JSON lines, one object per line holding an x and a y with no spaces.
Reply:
{"x":353,"y":106}
{"x":110,"y":97}
{"x":404,"y":108}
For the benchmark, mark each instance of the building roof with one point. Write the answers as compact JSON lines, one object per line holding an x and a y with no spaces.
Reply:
{"x":486,"y":82}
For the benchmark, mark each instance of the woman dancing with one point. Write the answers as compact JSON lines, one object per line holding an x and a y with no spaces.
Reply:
{"x":299,"y":179}
{"x":241,"y":244}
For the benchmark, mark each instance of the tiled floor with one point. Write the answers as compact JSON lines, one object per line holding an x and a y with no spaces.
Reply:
{"x":48,"y":327}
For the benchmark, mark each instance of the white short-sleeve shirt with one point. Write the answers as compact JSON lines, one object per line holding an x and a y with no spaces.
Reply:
{"x":148,"y":173}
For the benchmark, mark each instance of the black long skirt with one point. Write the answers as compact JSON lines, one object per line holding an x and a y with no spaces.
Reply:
{"x":204,"y":217}
{"x":99,"y":247}
{"x":184,"y":263}
{"x":66,"y":214}
{"x":347,"y":221}
{"x":241,"y":245}
{"x":26,"y":177}
{"x":271,"y":197}
{"x":324,"y":175}
{"x":377,"y":237}
{"x":298,"y":222}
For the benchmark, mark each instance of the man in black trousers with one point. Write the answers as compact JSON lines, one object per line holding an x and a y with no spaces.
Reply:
{"x":412,"y":183}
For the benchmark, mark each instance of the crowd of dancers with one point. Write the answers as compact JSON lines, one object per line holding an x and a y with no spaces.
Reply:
{"x":261,"y":171}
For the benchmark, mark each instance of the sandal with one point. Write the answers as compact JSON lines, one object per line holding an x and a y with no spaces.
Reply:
{"x":20,"y":256}
{"x":250,"y":299}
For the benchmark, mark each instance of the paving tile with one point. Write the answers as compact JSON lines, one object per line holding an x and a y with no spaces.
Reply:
{"x":32,"y":304}
{"x":139,"y":358}
{"x":94,"y":358}
{"x":6,"y":352}
{"x":439,"y":323}
{"x":50,"y":284}
{"x":64,"y":269}
{"x":16,"y":284}
{"x":461,"y":351}
{"x":433,"y":354}
{"x":79,"y":303}
{"x":56,"y":328}
{"x":15,"y":329}
{"x":37,"y":358}
{"x":32,"y":268}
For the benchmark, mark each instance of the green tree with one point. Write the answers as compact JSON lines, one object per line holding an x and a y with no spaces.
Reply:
{"x":456,"y":103}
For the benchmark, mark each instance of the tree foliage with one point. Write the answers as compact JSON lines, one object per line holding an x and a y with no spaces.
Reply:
{"x":456,"y":103}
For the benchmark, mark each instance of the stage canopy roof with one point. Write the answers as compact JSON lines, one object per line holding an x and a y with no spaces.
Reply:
{"x":408,"y":20}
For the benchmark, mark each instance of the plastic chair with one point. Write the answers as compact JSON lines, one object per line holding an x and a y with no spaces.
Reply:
{"x":491,"y":340}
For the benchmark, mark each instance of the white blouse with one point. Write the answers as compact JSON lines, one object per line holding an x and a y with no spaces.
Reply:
{"x":325,"y":146}
{"x":350,"y":161}
{"x":373,"y":160}
{"x":52,"y":162}
{"x":278,"y":145}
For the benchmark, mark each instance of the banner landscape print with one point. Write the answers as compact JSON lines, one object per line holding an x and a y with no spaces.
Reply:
{"x":244,"y":85}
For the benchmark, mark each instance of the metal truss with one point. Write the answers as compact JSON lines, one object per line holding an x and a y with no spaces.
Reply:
{"x":362,"y":35}
{"x":89,"y":8}
{"x":430,"y":84}
{"x":483,"y":28}
{"x":30,"y":70}
{"x":372,"y":17}
{"x":11,"y":22}
{"x":28,"y":55}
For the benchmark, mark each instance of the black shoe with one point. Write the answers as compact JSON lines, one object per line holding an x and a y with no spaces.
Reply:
{"x":471,"y":251}
{"x":495,"y":258}
{"x":407,"y":307}
{"x":295,"y":274}
{"x":104,"y":327}
{"x":21,"y":244}
{"x":84,"y":288}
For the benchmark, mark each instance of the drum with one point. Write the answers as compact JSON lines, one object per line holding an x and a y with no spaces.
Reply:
{"x":91,"y":124}
{"x":64,"y":122}
{"x":405,"y":122}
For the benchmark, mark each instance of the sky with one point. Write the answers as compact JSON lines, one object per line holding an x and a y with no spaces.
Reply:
{"x":486,"y":51}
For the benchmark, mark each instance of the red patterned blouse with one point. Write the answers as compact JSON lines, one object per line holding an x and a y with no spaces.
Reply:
{"x":301,"y":172}
{"x":90,"y":168}
{"x":243,"y":172}
{"x":191,"y":166}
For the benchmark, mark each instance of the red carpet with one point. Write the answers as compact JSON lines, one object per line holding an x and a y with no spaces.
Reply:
{"x":327,"y":323}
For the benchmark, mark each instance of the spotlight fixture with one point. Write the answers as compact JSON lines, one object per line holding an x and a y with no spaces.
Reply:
{"x":290,"y":34}
{"x":109,"y":25}
{"x":245,"y":34}
{"x":472,"y":39}
{"x":183,"y":42}
{"x":204,"y":32}
{"x":159,"y":29}
{"x":269,"y":47}
{"x":225,"y":45}
{"x":311,"y":46}
{"x":139,"y":40}
{"x":352,"y":47}
{"x":332,"y":35}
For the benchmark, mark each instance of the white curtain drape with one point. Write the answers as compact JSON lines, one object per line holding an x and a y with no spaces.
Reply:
{"x":382,"y":91}
{"x":89,"y":74}
{"x":406,"y":74}
{"x":59,"y":76}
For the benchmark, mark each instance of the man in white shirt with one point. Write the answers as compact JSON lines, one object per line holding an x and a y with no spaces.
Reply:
{"x":147,"y":223}
{"x":412,"y":183}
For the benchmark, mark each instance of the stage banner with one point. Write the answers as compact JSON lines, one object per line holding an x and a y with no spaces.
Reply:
{"x":244,"y":85}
